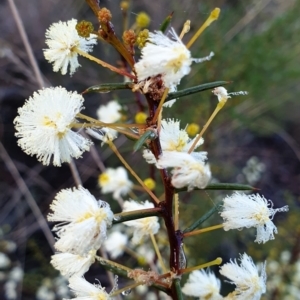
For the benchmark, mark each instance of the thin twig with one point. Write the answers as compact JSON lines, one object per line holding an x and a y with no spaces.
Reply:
{"x":155,"y":246}
{"x":28,"y":196}
{"x":243,"y":22}
{"x":26,"y":43}
{"x":127,"y":166}
{"x":95,"y":155}
{"x":75,"y":173}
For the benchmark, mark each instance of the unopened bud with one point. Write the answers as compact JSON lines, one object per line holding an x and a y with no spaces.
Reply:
{"x":192,"y":129}
{"x":104,"y":15}
{"x":215,"y":13}
{"x":150,"y":183}
{"x":142,"y":20}
{"x":140,"y":118}
{"x":103,"y":179}
{"x":124,"y":5}
{"x":142,"y":38}
{"x":129,"y":37}
{"x":84,"y":28}
{"x":221,"y":93}
{"x":187,"y":26}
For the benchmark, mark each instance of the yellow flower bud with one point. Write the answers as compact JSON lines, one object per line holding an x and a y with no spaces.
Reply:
{"x":84,"y":28}
{"x":142,"y":20}
{"x":150,"y":183}
{"x":142,"y":260}
{"x":103,"y":179}
{"x":124,"y":5}
{"x":192,"y":129}
{"x":140,"y":118}
{"x":142,"y":38}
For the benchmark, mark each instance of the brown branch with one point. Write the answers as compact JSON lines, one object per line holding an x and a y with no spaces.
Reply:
{"x":175,"y":237}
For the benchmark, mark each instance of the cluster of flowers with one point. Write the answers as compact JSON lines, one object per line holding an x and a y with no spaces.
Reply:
{"x":287,"y":266}
{"x":44,"y":128}
{"x":83,"y":229}
{"x":238,"y":211}
{"x":250,"y":281}
{"x":188,"y":169}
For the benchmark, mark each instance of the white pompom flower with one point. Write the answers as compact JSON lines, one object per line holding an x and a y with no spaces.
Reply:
{"x":87,"y":291}
{"x":109,"y":113}
{"x":115,"y":181}
{"x":172,"y":138}
{"x":43,"y":126}
{"x":115,"y":244}
{"x":63,"y":41}
{"x":223,"y":95}
{"x":142,"y":227}
{"x":188,"y":169}
{"x":103,"y":134}
{"x":84,"y":220}
{"x":149,"y":156}
{"x":70,"y":264}
{"x":241,"y":210}
{"x":165,"y":56}
{"x":4,"y":261}
{"x":203,"y":284}
{"x":250,"y":285}
{"x":145,"y":253}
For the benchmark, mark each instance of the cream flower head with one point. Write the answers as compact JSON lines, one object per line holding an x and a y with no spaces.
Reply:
{"x":203,"y":284}
{"x":142,"y":227}
{"x":165,"y":56}
{"x":241,"y":210}
{"x":250,"y":285}
{"x":43,"y":126}
{"x":63,"y":40}
{"x":84,"y":220}
{"x":115,"y":181}
{"x":115,"y":244}
{"x":172,"y":138}
{"x":87,"y":291}
{"x":109,"y":113}
{"x":188,"y":169}
{"x":223,"y":95}
{"x":70,"y":264}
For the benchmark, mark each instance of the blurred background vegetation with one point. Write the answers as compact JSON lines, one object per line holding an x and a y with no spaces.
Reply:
{"x":254,"y":140}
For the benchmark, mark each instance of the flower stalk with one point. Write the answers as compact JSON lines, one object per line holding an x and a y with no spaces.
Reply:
{"x":162,"y":264}
{"x":199,"y":231}
{"x":132,"y":172}
{"x":105,"y":65}
{"x":214,"y":15}
{"x":214,"y":262}
{"x":159,"y":108}
{"x":215,"y":112}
